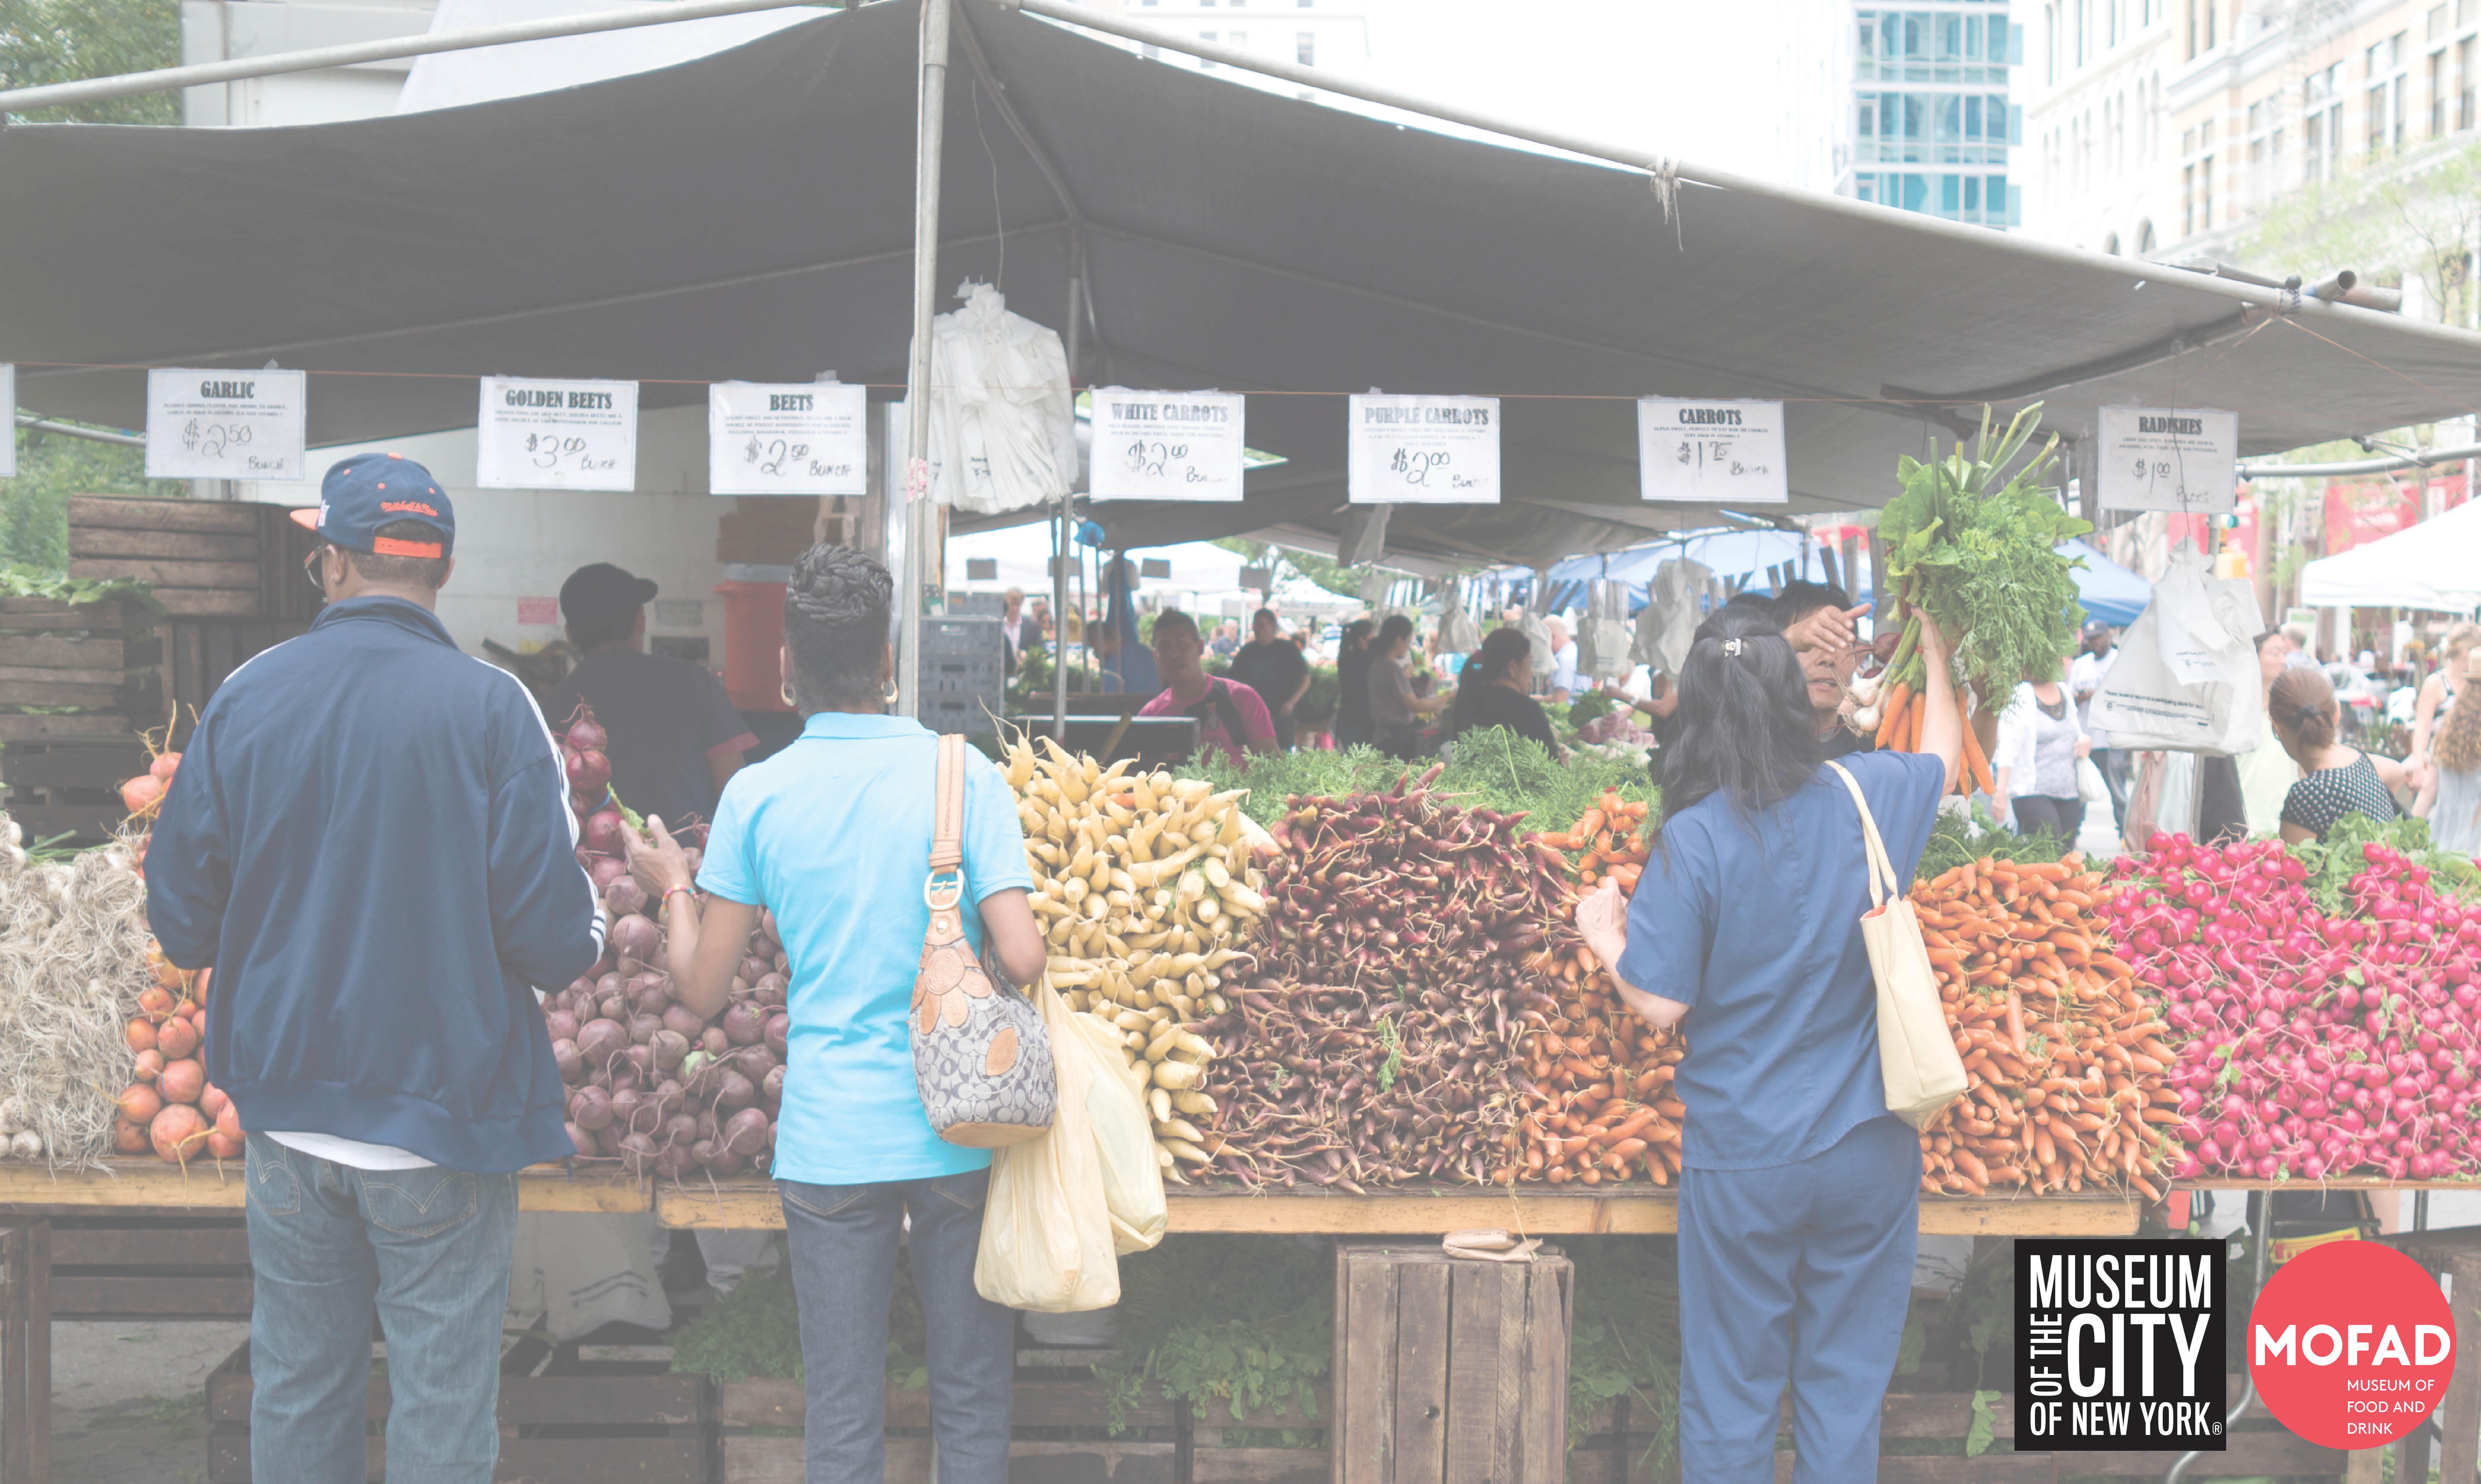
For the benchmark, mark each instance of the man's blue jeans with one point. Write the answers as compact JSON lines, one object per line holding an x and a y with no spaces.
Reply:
{"x":842,"y":1241}
{"x":430,"y":1247}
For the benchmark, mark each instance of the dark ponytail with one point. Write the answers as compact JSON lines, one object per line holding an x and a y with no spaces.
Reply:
{"x":1747,"y":730}
{"x":1499,"y":654}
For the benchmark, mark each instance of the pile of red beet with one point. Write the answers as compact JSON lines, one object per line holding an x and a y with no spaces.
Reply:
{"x":2316,"y":1044}
{"x":650,"y":1084}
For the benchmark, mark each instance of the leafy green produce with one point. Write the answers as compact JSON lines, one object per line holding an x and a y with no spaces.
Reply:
{"x":755,"y":1331}
{"x":2332,"y":864}
{"x":1955,"y":839}
{"x":1230,"y":1325}
{"x":1592,"y":706}
{"x":1976,"y":555}
{"x":18,"y":580}
{"x":1493,"y":769}
{"x":1624,"y":1338}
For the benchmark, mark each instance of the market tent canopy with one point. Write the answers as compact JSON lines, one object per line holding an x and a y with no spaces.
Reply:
{"x":2436,"y":564}
{"x":747,"y":215}
{"x":2108,"y":590}
{"x":1728,"y":554}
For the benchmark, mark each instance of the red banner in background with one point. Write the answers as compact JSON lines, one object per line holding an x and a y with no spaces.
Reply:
{"x":2367,"y":511}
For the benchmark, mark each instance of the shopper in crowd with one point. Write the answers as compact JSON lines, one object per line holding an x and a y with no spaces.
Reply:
{"x":1818,"y":617}
{"x":1037,"y":628}
{"x":1227,"y":639}
{"x":2040,"y":740}
{"x":1272,"y":665}
{"x":1352,"y":659}
{"x":1393,"y":703}
{"x":2267,"y":772}
{"x":672,"y":735}
{"x":2336,"y":780}
{"x":2303,"y":651}
{"x":1563,"y":679}
{"x":1495,"y":689}
{"x":370,"y":842}
{"x":832,"y":835}
{"x":1231,"y":716}
{"x":2429,"y":708}
{"x":2086,"y":675}
{"x":1012,"y":625}
{"x":2455,"y":788}
{"x":1799,"y":1194}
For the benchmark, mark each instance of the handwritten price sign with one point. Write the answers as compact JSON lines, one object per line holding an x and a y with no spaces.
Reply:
{"x":2180,"y":459}
{"x":536,"y":434}
{"x":1727,"y":452}
{"x":797,"y":438}
{"x":1167,"y":445}
{"x":226,"y":424}
{"x":1423,"y":449}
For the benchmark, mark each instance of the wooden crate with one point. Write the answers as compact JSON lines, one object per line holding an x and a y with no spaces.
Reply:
{"x":61,"y":654}
{"x":150,"y":1267}
{"x":762,"y":1419}
{"x":588,"y":1422}
{"x":72,"y":785}
{"x":25,"y":1351}
{"x":205,"y":558}
{"x":1449,"y":1371}
{"x":198,"y":654}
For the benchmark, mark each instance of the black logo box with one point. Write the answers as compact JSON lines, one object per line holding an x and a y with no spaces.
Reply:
{"x":2119,"y":1345}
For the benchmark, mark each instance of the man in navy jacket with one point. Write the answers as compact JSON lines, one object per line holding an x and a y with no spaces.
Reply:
{"x":371,"y":842}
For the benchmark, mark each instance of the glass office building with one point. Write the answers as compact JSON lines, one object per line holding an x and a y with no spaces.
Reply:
{"x":1932,"y":122}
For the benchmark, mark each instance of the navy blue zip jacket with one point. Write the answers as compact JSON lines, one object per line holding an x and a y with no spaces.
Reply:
{"x":370,"y":841}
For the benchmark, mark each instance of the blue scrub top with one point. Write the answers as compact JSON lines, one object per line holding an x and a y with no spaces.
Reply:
{"x":1755,"y":924}
{"x":833,"y":836}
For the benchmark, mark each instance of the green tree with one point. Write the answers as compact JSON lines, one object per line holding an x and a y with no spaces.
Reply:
{"x":2391,"y":219}
{"x":51,"y":468}
{"x":45,"y":42}
{"x":1340,"y":580}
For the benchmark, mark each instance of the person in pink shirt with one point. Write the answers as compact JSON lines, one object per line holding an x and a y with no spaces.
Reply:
{"x":1230,"y":716}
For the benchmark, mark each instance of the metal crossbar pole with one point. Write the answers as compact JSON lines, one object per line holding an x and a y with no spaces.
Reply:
{"x":921,"y":514}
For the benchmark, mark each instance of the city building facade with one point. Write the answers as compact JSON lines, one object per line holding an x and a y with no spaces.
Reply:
{"x":1930,"y":117}
{"x":2097,"y":150}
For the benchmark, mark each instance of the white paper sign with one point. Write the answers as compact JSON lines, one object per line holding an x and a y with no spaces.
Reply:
{"x":793,"y":438}
{"x":2181,"y":459}
{"x":226,"y":424}
{"x":1714,"y":453}
{"x":1424,"y":450}
{"x":1167,"y":445}
{"x":8,"y":404}
{"x":556,"y":434}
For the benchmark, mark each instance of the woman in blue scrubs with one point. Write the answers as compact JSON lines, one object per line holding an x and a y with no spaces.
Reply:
{"x":1799,"y":1196}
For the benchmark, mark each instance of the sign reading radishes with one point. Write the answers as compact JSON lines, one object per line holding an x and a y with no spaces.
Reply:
{"x":556,"y":434}
{"x":1423,"y":451}
{"x":800,"y":438}
{"x":226,"y":424}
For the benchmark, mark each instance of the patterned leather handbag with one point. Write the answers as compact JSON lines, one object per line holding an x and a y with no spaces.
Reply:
{"x":979,"y":1053}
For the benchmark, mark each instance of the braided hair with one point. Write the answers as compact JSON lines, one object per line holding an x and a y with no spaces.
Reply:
{"x":835,"y":629}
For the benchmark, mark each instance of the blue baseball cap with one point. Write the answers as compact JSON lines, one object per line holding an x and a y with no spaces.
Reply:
{"x":362,"y":493}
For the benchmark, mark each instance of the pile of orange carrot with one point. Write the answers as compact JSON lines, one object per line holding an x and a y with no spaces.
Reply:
{"x":1608,"y":840}
{"x":1596,"y":1105}
{"x":2064,"y":1056}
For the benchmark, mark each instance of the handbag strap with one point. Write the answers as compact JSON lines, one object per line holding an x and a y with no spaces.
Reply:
{"x":947,"y":816}
{"x":1876,"y":849}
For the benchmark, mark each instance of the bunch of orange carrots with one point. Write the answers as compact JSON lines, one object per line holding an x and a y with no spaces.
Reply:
{"x":1900,"y":713}
{"x":1608,"y":840}
{"x":2064,"y":1057}
{"x":1596,"y":1095}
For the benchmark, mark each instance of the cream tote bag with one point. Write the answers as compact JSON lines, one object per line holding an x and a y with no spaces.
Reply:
{"x":1916,"y":1054}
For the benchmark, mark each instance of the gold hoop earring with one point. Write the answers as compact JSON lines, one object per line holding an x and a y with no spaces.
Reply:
{"x":889,"y":694}
{"x":785,"y":691}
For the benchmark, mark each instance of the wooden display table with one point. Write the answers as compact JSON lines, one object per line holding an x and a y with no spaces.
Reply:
{"x":28,"y":1189}
{"x":749,"y":1203}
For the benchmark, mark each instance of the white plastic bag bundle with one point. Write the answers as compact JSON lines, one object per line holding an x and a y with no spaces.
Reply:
{"x":1003,"y":421}
{"x":1676,"y":606}
{"x":1539,"y":633}
{"x":1458,"y":634}
{"x":1604,"y":639}
{"x":2186,"y":678}
{"x":1049,"y":1239}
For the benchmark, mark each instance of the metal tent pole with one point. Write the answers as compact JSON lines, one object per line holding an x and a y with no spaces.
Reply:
{"x":921,"y":514}
{"x":1059,"y":547}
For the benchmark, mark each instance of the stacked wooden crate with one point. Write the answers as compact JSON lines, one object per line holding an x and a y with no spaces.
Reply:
{"x":206,"y":559}
{"x":774,"y":529}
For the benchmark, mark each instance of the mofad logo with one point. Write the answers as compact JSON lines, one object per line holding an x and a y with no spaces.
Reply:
{"x":2119,"y":1345}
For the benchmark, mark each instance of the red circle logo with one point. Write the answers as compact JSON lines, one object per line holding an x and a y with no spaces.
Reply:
{"x":2350,"y":1345}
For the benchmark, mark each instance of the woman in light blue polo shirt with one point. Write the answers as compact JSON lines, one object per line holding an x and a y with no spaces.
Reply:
{"x":832,"y":835}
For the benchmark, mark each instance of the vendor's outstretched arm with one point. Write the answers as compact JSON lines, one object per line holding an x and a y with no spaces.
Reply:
{"x":1602,"y":919}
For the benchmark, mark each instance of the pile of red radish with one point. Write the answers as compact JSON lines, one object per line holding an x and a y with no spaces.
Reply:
{"x":2317,"y":1045}
{"x":171,"y":1107}
{"x":649,"y":1083}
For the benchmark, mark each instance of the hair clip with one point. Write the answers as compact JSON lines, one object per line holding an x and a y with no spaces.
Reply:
{"x":1731,"y":647}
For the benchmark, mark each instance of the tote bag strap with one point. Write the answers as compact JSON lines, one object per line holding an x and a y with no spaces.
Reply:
{"x":1880,"y":867}
{"x":948,"y":817}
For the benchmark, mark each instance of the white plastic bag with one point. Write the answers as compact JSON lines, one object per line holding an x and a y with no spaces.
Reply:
{"x":1003,"y":421}
{"x":1676,"y":606}
{"x":1458,"y":634}
{"x":1603,"y":637}
{"x":2186,"y":677}
{"x":1047,"y":1238}
{"x":1124,"y":1139}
